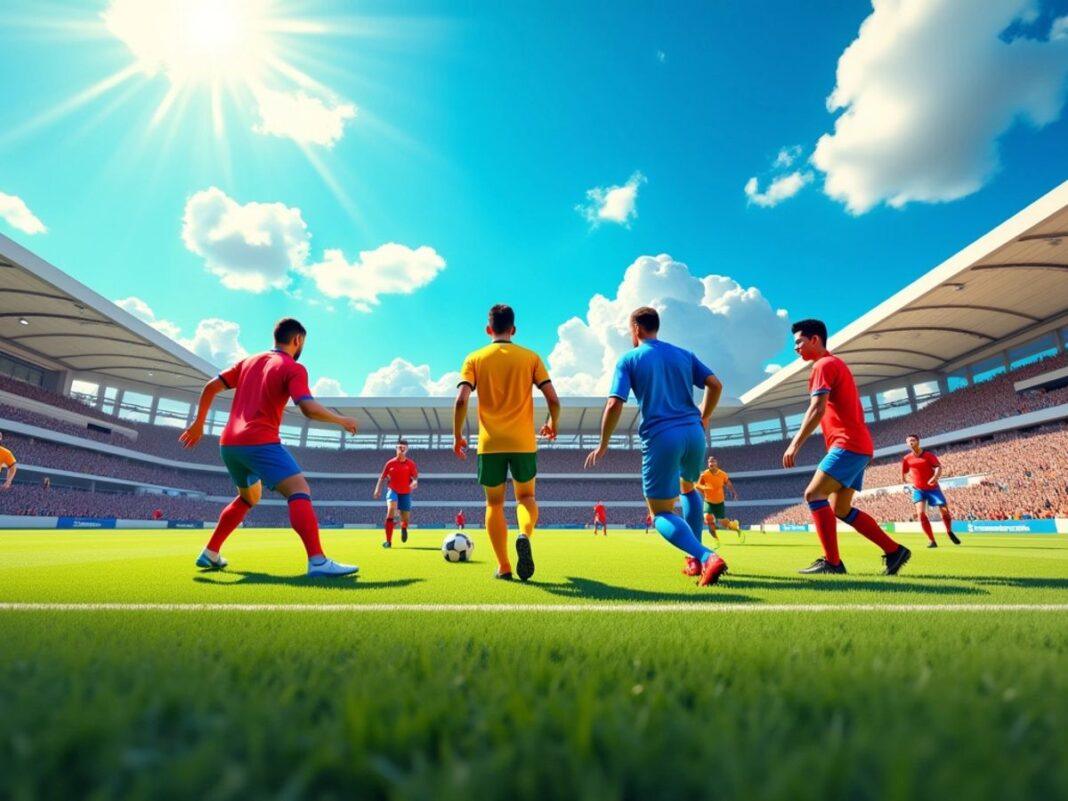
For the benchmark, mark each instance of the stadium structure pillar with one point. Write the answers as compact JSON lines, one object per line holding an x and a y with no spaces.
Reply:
{"x":99,"y":396}
{"x":910,"y":390}
{"x":1058,"y":340}
{"x":943,"y":385}
{"x":153,"y":409}
{"x":874,"y":401}
{"x":745,"y":433}
{"x":119,"y":395}
{"x":304,"y":434}
{"x":782,"y":426}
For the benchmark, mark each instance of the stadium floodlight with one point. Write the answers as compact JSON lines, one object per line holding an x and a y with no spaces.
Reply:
{"x":23,"y":321}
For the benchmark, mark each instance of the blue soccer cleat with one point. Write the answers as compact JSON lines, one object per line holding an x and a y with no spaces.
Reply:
{"x":206,"y":562}
{"x":328,"y":567}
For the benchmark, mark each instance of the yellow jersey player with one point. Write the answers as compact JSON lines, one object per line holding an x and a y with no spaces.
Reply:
{"x":502,"y":375}
{"x":7,"y":460}
{"x":712,"y":484}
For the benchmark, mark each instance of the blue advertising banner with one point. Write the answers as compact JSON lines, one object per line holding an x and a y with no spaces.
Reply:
{"x":792,"y":527}
{"x":1045,"y":526}
{"x":185,"y":524}
{"x":85,"y":522}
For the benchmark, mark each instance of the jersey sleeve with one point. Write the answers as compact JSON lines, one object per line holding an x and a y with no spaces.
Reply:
{"x":700,"y":371}
{"x":414,"y":469}
{"x":933,"y":460}
{"x":297,"y":384}
{"x":822,"y":378}
{"x":541,"y":375}
{"x":621,"y":381}
{"x":469,"y":373}
{"x":7,"y":458}
{"x":230,"y":375}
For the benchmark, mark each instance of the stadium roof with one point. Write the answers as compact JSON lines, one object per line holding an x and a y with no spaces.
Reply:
{"x":50,"y":317}
{"x":1006,"y":288}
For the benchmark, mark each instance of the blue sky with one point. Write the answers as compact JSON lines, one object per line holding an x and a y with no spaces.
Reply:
{"x":473,"y":135}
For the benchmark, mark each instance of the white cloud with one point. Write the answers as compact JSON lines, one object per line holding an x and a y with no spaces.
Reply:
{"x":15,"y":212}
{"x":786,"y":157}
{"x":250,"y":247}
{"x":733,"y":329}
{"x":926,"y":89}
{"x":782,"y":187}
{"x":302,"y":118}
{"x":771,"y":368}
{"x":388,"y":269}
{"x":616,"y":204}
{"x":404,"y":379}
{"x":215,"y":340}
{"x":327,"y":388}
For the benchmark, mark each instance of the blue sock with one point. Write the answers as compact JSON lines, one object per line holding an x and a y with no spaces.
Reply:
{"x":693,"y":511}
{"x":676,"y":531}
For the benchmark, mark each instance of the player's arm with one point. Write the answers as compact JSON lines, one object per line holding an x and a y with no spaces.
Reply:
{"x":192,"y":435}
{"x":459,"y":415}
{"x":937,"y":474}
{"x":314,"y":410}
{"x":817,"y":406}
{"x":613,"y":410}
{"x":378,"y":484}
{"x":415,"y":476}
{"x":548,"y":430}
{"x":713,"y":391}
{"x":730,"y":485}
{"x":11,"y":470}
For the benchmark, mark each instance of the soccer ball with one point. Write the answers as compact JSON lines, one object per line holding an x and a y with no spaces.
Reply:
{"x":457,"y":547}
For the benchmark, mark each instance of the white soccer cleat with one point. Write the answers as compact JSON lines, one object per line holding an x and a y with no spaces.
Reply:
{"x":328,"y":567}
{"x":208,"y":563}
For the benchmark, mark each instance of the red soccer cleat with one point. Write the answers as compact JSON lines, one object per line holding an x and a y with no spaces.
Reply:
{"x":713,"y":569}
{"x":692,"y":567}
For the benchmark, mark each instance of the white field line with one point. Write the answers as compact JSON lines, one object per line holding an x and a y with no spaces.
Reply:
{"x":506,"y":608}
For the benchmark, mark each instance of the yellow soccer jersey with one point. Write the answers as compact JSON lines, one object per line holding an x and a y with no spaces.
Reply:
{"x":502,"y":374}
{"x":711,"y":485}
{"x":7,"y":458}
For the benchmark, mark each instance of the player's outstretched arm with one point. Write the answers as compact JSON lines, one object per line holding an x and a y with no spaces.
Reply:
{"x":817,"y":405}
{"x":730,"y":486}
{"x":713,"y":391}
{"x":192,"y":435}
{"x":553,"y":400}
{"x":613,"y":410}
{"x":314,"y":410}
{"x":459,"y":415}
{"x":11,"y":470}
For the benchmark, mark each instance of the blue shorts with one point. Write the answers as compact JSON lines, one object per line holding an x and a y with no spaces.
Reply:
{"x":845,"y":467}
{"x":402,"y":499}
{"x":934,"y":496}
{"x":248,"y":464}
{"x":670,"y":455}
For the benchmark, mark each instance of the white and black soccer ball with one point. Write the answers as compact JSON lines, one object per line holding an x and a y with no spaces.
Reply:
{"x":457,"y":547}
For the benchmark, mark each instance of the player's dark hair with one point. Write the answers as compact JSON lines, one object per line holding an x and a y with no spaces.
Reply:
{"x":502,"y":318}
{"x":287,"y":328}
{"x":647,"y":318}
{"x":913,"y":436}
{"x":402,"y":441}
{"x":811,"y":328}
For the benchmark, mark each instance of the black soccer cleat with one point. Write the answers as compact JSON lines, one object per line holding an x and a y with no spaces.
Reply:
{"x":502,"y":576}
{"x":954,"y":538}
{"x":932,"y":544}
{"x":524,"y":567}
{"x":821,"y":565}
{"x":404,"y":535}
{"x":896,"y":560}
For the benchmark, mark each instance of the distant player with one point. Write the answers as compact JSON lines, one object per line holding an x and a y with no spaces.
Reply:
{"x":834,"y":405}
{"x":252,"y":449}
{"x":461,"y":521}
{"x":712,"y":484}
{"x":402,"y":478}
{"x":600,"y":518}
{"x":648,"y":521}
{"x":502,"y":374}
{"x":662,"y":378}
{"x":9,"y":463}
{"x":924,"y":469}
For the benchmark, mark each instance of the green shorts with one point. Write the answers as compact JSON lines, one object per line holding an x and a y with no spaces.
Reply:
{"x":493,"y":468}
{"x":717,"y":509}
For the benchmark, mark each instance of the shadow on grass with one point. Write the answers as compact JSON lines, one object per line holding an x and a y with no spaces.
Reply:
{"x":250,"y":578}
{"x":858,"y":584}
{"x":1027,"y":582}
{"x":583,"y":588}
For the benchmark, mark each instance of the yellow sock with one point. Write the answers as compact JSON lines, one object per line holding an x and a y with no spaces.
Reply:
{"x":497,"y":529}
{"x":526,"y":511}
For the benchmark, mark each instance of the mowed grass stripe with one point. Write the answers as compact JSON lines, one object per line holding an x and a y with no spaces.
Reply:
{"x":505,"y":608}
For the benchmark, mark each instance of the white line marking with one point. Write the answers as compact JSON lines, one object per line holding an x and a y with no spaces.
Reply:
{"x":592,"y":607}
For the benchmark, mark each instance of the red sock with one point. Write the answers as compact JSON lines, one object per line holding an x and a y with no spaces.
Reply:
{"x":389,"y":529}
{"x":826,"y":530}
{"x":925,"y":524}
{"x":302,"y":518}
{"x":947,"y":521}
{"x":867,"y":527}
{"x":230,"y":519}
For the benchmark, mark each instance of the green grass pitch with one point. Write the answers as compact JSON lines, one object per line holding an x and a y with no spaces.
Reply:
{"x":608,"y":676}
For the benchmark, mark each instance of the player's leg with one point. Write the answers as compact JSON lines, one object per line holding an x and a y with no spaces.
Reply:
{"x":493,"y":475}
{"x":947,"y":518}
{"x":404,"y":504}
{"x":391,"y":516}
{"x":231,"y":517}
{"x":690,"y":464}
{"x":710,"y":521}
{"x":819,"y":490}
{"x":302,"y":518}
{"x":925,"y":524}
{"x":894,"y":554}
{"x":692,"y":506}
{"x":524,"y":468}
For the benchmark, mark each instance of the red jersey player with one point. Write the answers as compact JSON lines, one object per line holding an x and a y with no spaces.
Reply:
{"x":252,"y":449}
{"x":834,"y":405}
{"x":600,"y":518}
{"x":924,"y":469}
{"x":461,"y":521}
{"x":402,"y":477}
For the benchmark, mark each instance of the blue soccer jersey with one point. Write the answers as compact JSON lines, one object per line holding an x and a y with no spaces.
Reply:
{"x":662,"y":378}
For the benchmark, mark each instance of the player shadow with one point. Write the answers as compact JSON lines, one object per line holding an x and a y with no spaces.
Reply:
{"x":252,"y":578}
{"x":1036,"y":583}
{"x":838,"y":585}
{"x":585,"y":588}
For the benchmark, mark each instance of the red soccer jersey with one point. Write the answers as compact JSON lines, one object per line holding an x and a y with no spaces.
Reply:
{"x":599,"y":512}
{"x":843,"y":422}
{"x":460,"y":519}
{"x":400,"y":475}
{"x":920,"y":468}
{"x":264,"y":383}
